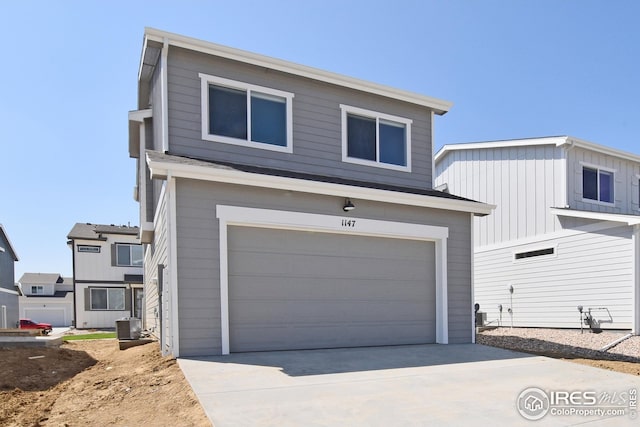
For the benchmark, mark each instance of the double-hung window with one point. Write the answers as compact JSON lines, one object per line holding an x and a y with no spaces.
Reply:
{"x":598,"y":184}
{"x":37,"y":290}
{"x":375,"y":139}
{"x":244,"y":114}
{"x":128,"y":255}
{"x":107,"y":299}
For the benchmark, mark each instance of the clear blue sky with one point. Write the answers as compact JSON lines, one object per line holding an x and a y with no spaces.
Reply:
{"x":512,"y":68}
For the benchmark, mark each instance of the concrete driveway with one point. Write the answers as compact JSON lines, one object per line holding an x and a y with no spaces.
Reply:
{"x":443,"y":385}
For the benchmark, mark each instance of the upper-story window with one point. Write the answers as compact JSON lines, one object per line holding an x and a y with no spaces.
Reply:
{"x":128,"y":255}
{"x":375,"y":139}
{"x":37,"y":290}
{"x":598,"y":184}
{"x":244,"y":114}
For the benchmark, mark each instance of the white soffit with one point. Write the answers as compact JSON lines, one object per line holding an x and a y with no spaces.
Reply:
{"x":599,"y":216}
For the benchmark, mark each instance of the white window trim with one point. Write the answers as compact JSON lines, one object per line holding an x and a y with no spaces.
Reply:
{"x":598,"y":168}
{"x":346,"y":109}
{"x":206,"y":79}
{"x":519,"y":250}
{"x":39,"y":290}
{"x":93,"y":249}
{"x":286,"y":220}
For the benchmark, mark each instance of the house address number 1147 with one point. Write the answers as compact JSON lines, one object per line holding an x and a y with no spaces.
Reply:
{"x":349,"y":223}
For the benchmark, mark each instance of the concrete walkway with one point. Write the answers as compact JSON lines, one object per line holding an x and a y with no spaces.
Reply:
{"x":443,"y":385}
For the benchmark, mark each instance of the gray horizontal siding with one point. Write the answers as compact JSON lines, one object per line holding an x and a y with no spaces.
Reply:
{"x":317,"y":142}
{"x":198,"y":252}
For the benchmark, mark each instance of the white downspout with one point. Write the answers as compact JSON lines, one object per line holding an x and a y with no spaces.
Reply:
{"x":172,"y":247}
{"x":165,"y":95}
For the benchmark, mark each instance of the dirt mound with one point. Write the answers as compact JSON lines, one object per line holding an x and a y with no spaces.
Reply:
{"x":88,"y":383}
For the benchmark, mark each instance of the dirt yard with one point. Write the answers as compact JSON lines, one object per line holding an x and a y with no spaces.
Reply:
{"x":93,"y":383}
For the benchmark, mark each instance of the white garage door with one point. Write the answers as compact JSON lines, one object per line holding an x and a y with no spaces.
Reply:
{"x":54,"y":316}
{"x":302,"y":290}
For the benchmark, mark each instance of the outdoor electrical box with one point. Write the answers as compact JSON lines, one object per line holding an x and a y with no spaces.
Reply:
{"x":481,"y":318}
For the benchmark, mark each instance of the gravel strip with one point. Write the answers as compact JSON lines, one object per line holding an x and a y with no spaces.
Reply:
{"x":568,"y":343}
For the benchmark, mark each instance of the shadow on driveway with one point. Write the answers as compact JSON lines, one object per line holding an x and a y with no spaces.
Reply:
{"x":343,"y":360}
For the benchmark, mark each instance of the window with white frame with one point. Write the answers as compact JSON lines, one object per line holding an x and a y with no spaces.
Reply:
{"x":598,"y":184}
{"x":375,"y":139}
{"x":110,"y":299}
{"x":244,"y":114}
{"x":89,"y":248}
{"x":37,"y":290}
{"x":128,"y":255}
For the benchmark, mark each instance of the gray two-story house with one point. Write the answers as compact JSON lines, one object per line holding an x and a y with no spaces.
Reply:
{"x":565,"y":234}
{"x":286,"y":207}
{"x":8,"y":292}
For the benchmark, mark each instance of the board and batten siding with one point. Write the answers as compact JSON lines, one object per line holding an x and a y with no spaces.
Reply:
{"x":592,"y":269}
{"x":626,"y":174}
{"x":198,"y":252}
{"x":317,"y":140}
{"x":523,"y":182}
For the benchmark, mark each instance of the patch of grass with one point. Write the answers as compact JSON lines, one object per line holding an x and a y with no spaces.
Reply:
{"x":96,"y":336}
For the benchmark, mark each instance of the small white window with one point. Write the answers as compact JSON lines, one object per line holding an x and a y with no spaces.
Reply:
{"x":598,"y":184}
{"x":89,"y":248}
{"x":375,"y":139}
{"x":244,"y":114}
{"x":37,"y":290}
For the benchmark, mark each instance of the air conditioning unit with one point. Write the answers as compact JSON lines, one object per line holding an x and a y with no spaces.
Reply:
{"x":481,"y":318}
{"x":128,"y":328}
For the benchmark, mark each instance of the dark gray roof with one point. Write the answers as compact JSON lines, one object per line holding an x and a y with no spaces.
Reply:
{"x":90,"y":231}
{"x":154,"y":155}
{"x":56,"y":294}
{"x":41,"y":278}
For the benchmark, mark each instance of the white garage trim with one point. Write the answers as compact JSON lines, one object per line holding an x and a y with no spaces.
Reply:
{"x":286,"y":220}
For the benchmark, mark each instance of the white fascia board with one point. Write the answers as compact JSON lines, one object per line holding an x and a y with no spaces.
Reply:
{"x":603,"y":149}
{"x":553,"y":140}
{"x":438,"y":105}
{"x":599,"y":216}
{"x":160,"y":170}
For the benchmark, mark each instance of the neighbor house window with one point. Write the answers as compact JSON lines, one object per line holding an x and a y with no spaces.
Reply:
{"x":597,"y":184}
{"x":375,"y":139}
{"x":89,"y":248}
{"x":128,"y":255}
{"x":107,"y":298}
{"x":245,"y":114}
{"x":37,"y":290}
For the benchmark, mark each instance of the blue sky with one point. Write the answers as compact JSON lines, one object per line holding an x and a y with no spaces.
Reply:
{"x":512,"y":68}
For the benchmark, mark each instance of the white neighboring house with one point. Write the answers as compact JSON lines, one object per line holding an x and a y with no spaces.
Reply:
{"x":46,"y":297}
{"x":565,"y":233}
{"x":107,"y":274}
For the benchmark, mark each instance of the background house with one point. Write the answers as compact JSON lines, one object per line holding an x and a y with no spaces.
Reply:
{"x":107,"y":274}
{"x":8,"y":292}
{"x":565,"y":233}
{"x":285,"y":207}
{"x":46,"y":297}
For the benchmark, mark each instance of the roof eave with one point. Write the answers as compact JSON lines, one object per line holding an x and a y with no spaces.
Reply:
{"x":161,"y":170}
{"x":439,"y":106}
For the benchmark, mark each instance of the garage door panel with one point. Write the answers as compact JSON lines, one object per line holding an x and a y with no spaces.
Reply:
{"x":296,"y":290}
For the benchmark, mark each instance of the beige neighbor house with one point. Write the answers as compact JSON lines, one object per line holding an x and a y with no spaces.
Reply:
{"x":107,"y":274}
